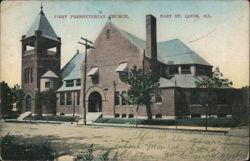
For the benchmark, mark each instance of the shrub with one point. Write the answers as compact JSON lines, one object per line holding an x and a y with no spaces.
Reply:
{"x":55,"y":118}
{"x":214,"y":122}
{"x":12,"y":149}
{"x":12,"y":115}
{"x":132,"y":121}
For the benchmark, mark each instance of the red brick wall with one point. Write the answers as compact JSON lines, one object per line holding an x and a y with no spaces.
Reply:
{"x":107,"y":55}
{"x":40,"y":62}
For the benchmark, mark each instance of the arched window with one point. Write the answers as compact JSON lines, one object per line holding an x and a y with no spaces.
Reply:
{"x":108,"y":34}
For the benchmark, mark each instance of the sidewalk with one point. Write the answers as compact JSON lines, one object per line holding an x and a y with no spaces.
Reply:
{"x":218,"y":130}
{"x":222,"y":130}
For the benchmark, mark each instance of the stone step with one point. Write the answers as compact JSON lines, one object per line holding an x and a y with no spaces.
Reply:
{"x":24,"y":115}
{"x":90,"y":117}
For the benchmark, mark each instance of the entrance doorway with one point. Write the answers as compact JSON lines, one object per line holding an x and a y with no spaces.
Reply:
{"x":28,"y":103}
{"x":95,"y":102}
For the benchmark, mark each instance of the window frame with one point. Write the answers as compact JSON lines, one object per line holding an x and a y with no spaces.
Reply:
{"x":123,"y":103}
{"x":69,"y":83}
{"x":68,"y":98}
{"x":47,"y":84}
{"x":117,"y":98}
{"x":157,"y":96}
{"x":123,"y":76}
{"x":62,"y":101}
{"x":186,"y":69}
{"x":78,"y":97}
{"x":78,"y":82}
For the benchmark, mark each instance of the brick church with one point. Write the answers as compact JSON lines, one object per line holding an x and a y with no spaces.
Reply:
{"x":116,"y":51}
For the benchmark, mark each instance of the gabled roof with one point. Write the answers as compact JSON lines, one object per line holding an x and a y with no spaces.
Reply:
{"x":72,"y":70}
{"x":42,"y":24}
{"x":183,"y":80}
{"x":64,"y":88}
{"x":134,"y":40}
{"x":176,"y":51}
{"x":172,"y":50}
{"x":49,"y":74}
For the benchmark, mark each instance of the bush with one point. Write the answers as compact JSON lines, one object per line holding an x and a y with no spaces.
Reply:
{"x":55,"y":118}
{"x":12,"y":149}
{"x":214,"y":122}
{"x":132,"y":121}
{"x":12,"y":115}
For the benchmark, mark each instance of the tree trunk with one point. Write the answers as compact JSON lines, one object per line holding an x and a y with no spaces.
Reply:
{"x":136,"y":115}
{"x":149,"y":112}
{"x":206,"y":116}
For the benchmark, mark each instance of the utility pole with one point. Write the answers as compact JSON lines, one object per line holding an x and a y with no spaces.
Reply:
{"x":87,"y":46}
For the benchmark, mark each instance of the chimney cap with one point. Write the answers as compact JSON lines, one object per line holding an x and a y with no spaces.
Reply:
{"x":150,"y":15}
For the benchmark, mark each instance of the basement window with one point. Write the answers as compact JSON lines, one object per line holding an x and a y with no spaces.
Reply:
{"x":221,"y":115}
{"x":130,"y":116}
{"x":124,"y":115}
{"x":117,"y":115}
{"x":195,"y":116}
{"x":158,"y":116}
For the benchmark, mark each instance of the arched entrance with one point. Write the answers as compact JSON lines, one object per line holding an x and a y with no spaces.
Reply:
{"x":28,"y":103}
{"x":95,"y":102}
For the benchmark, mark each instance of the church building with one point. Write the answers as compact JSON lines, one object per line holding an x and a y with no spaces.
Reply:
{"x":116,"y":52}
{"x":179,"y":67}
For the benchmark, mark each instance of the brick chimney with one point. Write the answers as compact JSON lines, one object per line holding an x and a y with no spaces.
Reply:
{"x":151,"y":45}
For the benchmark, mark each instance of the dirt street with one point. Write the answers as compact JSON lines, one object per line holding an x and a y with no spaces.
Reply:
{"x":135,"y":144}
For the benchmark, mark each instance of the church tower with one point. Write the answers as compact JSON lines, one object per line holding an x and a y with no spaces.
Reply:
{"x":41,"y":53}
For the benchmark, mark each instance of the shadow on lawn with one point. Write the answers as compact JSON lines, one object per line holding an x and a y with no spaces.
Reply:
{"x":62,"y":145}
{"x":49,"y":148}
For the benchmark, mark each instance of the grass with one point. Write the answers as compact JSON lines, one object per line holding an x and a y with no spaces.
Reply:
{"x":213,"y":122}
